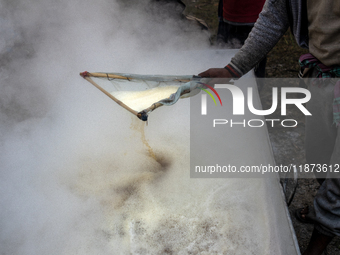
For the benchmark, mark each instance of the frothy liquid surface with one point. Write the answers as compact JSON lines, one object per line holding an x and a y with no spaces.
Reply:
{"x":151,"y":205}
{"x":140,"y":100}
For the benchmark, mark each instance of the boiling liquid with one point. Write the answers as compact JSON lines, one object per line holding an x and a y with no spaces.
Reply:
{"x":152,"y":206}
{"x":139,"y":126}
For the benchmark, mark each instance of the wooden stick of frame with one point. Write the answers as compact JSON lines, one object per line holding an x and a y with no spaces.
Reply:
{"x":115,"y":76}
{"x":142,"y":114}
{"x":110,"y":96}
{"x":107,"y":75}
{"x":156,"y":105}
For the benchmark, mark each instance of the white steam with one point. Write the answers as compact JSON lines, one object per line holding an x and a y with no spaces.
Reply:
{"x":75,"y":175}
{"x":55,"y":127}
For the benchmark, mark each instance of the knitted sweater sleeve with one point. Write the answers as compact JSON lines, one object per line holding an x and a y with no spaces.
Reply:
{"x":269,"y":28}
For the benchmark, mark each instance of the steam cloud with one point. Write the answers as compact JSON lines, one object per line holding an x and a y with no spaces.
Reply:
{"x":75,"y":176}
{"x":56,"y":129}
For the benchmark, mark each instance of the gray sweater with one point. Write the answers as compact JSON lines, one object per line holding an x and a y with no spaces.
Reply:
{"x":273,"y":22}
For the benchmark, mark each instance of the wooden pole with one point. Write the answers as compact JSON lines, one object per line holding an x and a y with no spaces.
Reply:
{"x":110,"y":96}
{"x":157,"y":105}
{"x":107,"y":75}
{"x":142,"y":114}
{"x":115,"y":76}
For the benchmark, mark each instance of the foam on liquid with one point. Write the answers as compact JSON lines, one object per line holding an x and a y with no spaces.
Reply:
{"x":152,"y":206}
{"x":140,"y":100}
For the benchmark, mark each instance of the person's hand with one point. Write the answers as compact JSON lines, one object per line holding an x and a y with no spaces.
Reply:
{"x":217,"y":76}
{"x":216,"y":73}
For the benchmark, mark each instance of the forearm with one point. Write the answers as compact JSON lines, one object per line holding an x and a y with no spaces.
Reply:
{"x":268,"y":29}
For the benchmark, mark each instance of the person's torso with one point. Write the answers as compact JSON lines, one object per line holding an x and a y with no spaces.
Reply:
{"x":324,"y":30}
